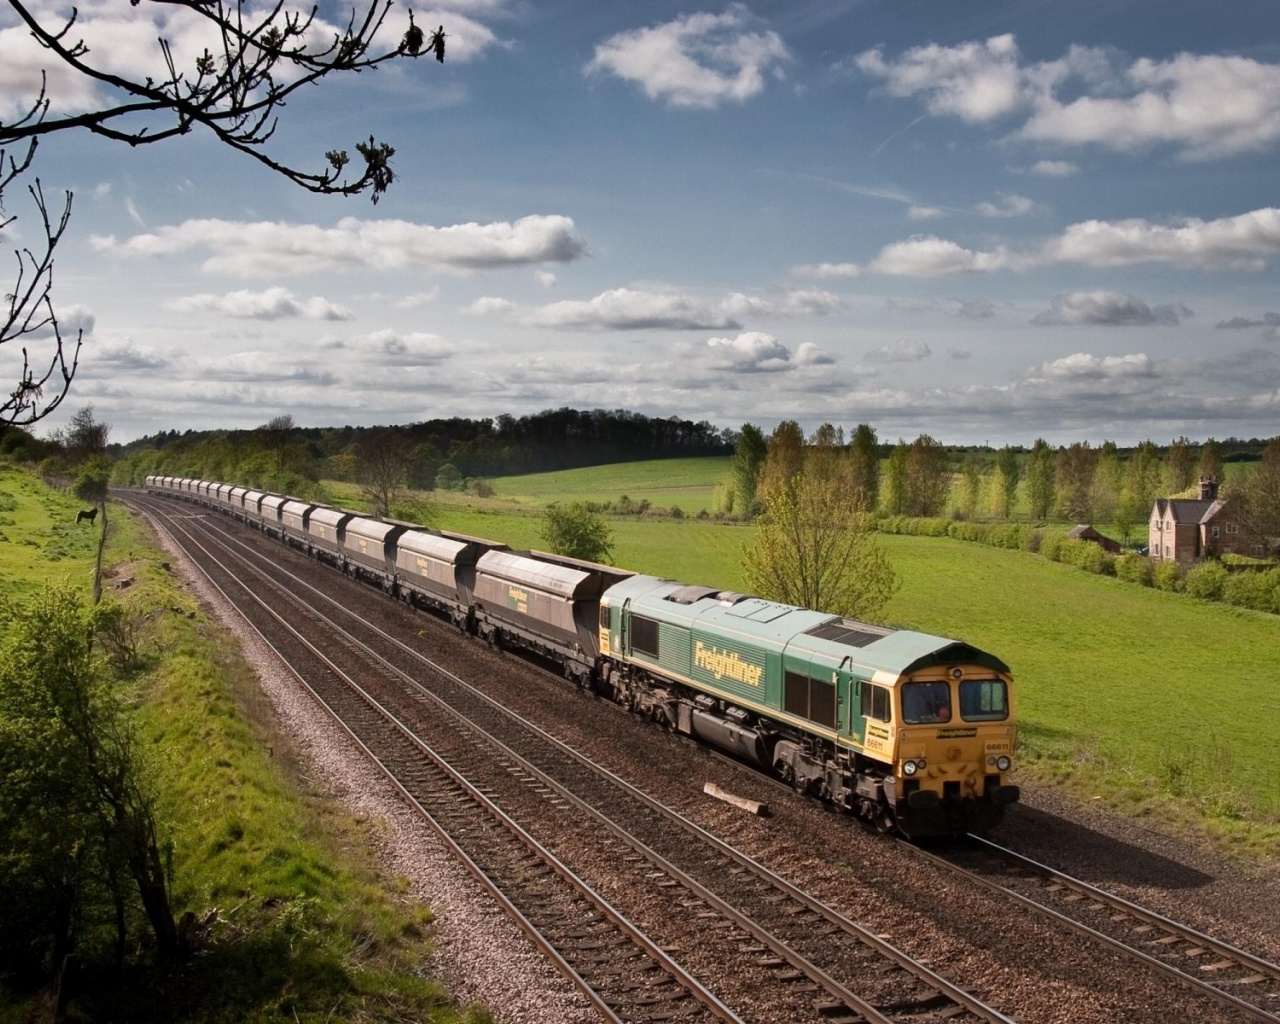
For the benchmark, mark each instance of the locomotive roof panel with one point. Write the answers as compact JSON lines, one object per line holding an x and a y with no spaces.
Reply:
{"x":432,"y":545}
{"x":753,"y":618}
{"x":573,"y":584}
{"x":895,"y":652}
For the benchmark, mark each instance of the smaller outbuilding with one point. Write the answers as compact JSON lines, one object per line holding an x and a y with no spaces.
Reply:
{"x":1086,"y":532}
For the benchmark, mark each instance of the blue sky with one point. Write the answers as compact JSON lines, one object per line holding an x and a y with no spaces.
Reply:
{"x":988,"y":221}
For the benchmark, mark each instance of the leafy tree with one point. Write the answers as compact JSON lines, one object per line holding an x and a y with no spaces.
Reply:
{"x":1040,"y":479}
{"x":748,"y":459}
{"x":971,"y":473}
{"x":864,"y":465}
{"x":1257,"y":495}
{"x":574,"y":530}
{"x":253,"y":60}
{"x":79,"y":838}
{"x":814,"y":549}
{"x":928,"y":477}
{"x":1179,"y":466}
{"x":1108,"y":483}
{"x":383,"y":461}
{"x":448,"y":478}
{"x":278,"y":438}
{"x":825,"y":455}
{"x":1010,"y":472}
{"x":1074,"y":470}
{"x":894,"y":492}
{"x":1210,"y":466}
{"x":785,"y":458}
{"x":1142,"y":480}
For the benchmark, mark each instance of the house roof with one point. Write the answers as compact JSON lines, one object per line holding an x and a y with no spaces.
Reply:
{"x":1185,"y":510}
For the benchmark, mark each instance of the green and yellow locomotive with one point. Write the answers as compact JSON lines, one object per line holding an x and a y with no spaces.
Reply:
{"x":911,"y":731}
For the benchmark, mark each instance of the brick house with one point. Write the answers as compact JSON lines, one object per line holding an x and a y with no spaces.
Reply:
{"x":1188,"y":530}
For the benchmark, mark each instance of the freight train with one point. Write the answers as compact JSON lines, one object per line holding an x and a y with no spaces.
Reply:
{"x":911,"y":732}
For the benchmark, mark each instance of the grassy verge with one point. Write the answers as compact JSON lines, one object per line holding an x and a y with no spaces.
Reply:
{"x":306,"y":928}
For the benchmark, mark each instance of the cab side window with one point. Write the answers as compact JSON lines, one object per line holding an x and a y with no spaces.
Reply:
{"x":875,"y":702}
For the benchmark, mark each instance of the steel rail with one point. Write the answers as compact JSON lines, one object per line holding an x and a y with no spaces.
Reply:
{"x":1202,"y":986}
{"x":923,"y":974}
{"x":638,"y":937}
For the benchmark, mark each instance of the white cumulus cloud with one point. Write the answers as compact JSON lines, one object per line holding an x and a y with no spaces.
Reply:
{"x":272,"y":304}
{"x":904,"y":350}
{"x":1205,"y":105}
{"x":631,"y":309}
{"x":699,"y":60}
{"x":756,"y":352}
{"x":1115,"y":309}
{"x":256,"y":248}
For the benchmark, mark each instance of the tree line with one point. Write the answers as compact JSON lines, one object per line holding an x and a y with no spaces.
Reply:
{"x":1078,"y":482}
{"x":436,"y":453}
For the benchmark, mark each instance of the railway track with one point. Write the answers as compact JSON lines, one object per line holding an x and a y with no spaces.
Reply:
{"x":1213,"y":968}
{"x":692,"y":888}
{"x":621,"y":971}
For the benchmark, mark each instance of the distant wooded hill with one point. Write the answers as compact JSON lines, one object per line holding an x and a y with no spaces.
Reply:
{"x":502,"y":446}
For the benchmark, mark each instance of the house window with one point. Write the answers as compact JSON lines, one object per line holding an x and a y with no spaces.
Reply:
{"x":1166,"y":551}
{"x":1213,"y":532}
{"x":1232,"y":527}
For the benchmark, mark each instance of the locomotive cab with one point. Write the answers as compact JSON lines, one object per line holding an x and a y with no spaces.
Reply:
{"x":951,"y":742}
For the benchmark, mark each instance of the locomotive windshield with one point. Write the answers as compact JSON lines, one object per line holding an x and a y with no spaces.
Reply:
{"x":926,"y":703}
{"x":984,"y":700}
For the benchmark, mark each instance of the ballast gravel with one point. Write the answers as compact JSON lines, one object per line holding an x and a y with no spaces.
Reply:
{"x":478,"y":953}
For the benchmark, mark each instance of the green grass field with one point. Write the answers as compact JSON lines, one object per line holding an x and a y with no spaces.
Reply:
{"x":686,"y":483}
{"x":1162,"y":704}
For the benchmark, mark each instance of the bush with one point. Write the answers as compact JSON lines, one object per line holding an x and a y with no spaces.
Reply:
{"x":1207,"y":581}
{"x":1090,"y":557}
{"x":1167,"y":576}
{"x":1257,"y":590}
{"x":1134,"y":568}
{"x":1053,"y":546}
{"x":913,"y":526}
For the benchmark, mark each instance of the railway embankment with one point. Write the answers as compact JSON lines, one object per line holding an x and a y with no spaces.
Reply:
{"x":303,"y":920}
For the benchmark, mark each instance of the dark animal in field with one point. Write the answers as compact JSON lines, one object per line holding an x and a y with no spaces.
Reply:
{"x":90,"y":514}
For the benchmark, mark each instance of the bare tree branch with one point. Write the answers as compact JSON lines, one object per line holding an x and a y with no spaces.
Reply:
{"x":247,"y":72}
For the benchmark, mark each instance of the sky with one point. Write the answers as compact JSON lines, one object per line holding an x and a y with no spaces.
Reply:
{"x":988,"y":221}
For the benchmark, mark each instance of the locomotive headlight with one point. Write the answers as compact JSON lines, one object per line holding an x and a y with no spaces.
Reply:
{"x":1003,"y":762}
{"x":908,"y":768}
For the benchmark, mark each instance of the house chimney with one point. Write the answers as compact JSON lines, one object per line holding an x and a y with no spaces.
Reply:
{"x":1208,"y":488}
